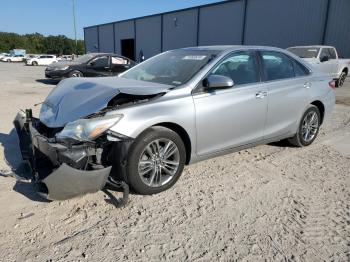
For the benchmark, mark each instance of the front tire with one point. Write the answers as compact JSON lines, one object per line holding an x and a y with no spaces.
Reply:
{"x":341,"y":79}
{"x":75,"y":73}
{"x":156,"y":160}
{"x":34,"y":63}
{"x":308,"y":128}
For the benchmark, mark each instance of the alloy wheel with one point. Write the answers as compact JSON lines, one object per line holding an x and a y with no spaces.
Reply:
{"x":341,"y":79}
{"x":310,"y":126}
{"x":159,"y":162}
{"x":76,"y":74}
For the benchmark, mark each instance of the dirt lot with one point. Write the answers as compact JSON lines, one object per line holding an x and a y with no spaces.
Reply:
{"x":273,"y":202}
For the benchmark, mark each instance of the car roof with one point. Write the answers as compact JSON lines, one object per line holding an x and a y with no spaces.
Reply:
{"x":111,"y":54}
{"x":312,"y":46}
{"x":97,"y":54}
{"x":229,"y":48}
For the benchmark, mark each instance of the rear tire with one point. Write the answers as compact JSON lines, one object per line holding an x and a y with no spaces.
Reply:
{"x":75,"y":73}
{"x":308,"y":128}
{"x":8,"y":60}
{"x":161,"y":151}
{"x":341,"y":79}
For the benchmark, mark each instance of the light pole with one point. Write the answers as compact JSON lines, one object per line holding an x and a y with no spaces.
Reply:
{"x":75,"y":27}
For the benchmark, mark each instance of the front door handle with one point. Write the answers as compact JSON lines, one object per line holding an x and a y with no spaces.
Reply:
{"x":261,"y":94}
{"x":307,"y":85}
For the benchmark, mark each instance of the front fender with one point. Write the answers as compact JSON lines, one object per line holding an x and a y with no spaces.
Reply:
{"x":138,"y":118}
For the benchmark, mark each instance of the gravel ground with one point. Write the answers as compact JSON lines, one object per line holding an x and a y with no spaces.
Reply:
{"x":269,"y":203}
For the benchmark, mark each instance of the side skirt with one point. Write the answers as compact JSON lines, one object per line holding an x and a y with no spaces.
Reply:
{"x":196,"y":158}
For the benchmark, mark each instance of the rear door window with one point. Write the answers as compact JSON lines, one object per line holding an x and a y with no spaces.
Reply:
{"x":100,"y":62}
{"x":276,"y":65}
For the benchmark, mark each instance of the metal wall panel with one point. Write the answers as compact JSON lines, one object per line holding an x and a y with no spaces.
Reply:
{"x":338,"y":27}
{"x":180,"y":29}
{"x":106,"y":38}
{"x":148,"y":36}
{"x":221,"y":24}
{"x":91,"y":39}
{"x":123,"y":30}
{"x":284,"y":23}
{"x":281,"y":23}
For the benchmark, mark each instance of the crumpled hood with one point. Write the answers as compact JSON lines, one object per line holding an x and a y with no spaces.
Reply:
{"x":75,"y":98}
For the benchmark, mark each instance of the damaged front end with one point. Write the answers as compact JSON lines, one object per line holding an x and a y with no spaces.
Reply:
{"x":64,"y":166}
{"x":70,"y":147}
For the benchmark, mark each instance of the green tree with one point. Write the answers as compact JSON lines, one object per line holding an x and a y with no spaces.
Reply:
{"x":39,"y":44}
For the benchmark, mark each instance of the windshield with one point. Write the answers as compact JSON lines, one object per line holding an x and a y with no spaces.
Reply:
{"x":84,"y":58}
{"x":304,"y":52}
{"x":171,"y":68}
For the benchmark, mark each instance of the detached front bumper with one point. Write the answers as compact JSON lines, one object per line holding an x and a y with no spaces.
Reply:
{"x":61,"y":172}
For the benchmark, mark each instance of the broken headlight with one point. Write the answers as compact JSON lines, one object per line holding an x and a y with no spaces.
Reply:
{"x":88,"y":129}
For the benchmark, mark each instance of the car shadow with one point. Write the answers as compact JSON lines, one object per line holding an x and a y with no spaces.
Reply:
{"x":112,"y":199}
{"x":28,"y":189}
{"x":19,"y":170}
{"x":48,"y":81}
{"x":282,"y":143}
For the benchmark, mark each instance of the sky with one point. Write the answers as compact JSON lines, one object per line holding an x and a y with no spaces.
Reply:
{"x":53,"y":17}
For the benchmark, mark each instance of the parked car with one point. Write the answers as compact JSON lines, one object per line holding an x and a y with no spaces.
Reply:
{"x":2,"y":55}
{"x":94,"y":64}
{"x":29,"y":57}
{"x":174,"y":109}
{"x":42,"y":60}
{"x":324,"y":58}
{"x":13,"y":58}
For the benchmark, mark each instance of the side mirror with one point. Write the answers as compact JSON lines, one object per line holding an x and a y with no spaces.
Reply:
{"x":324,"y":59}
{"x":92,"y":63}
{"x":213,"y":82}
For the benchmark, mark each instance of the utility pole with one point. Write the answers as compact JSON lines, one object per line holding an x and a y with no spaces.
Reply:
{"x":75,"y":28}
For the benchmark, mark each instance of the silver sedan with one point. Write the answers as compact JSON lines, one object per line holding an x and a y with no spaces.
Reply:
{"x":177,"y":108}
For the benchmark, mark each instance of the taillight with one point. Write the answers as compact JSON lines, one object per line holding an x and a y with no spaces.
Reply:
{"x":332,"y":84}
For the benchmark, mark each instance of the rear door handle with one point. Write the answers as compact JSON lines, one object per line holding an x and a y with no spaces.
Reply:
{"x":261,"y":94}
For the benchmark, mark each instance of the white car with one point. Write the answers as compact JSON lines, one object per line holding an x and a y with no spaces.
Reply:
{"x":324,"y":58}
{"x":42,"y":60}
{"x":13,"y":58}
{"x":2,"y":55}
{"x":65,"y":58}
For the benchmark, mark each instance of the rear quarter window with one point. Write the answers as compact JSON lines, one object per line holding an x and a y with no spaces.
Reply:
{"x":299,"y":69}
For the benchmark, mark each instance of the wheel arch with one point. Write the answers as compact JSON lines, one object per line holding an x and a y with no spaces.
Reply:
{"x":320,"y":107}
{"x":183,"y":135}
